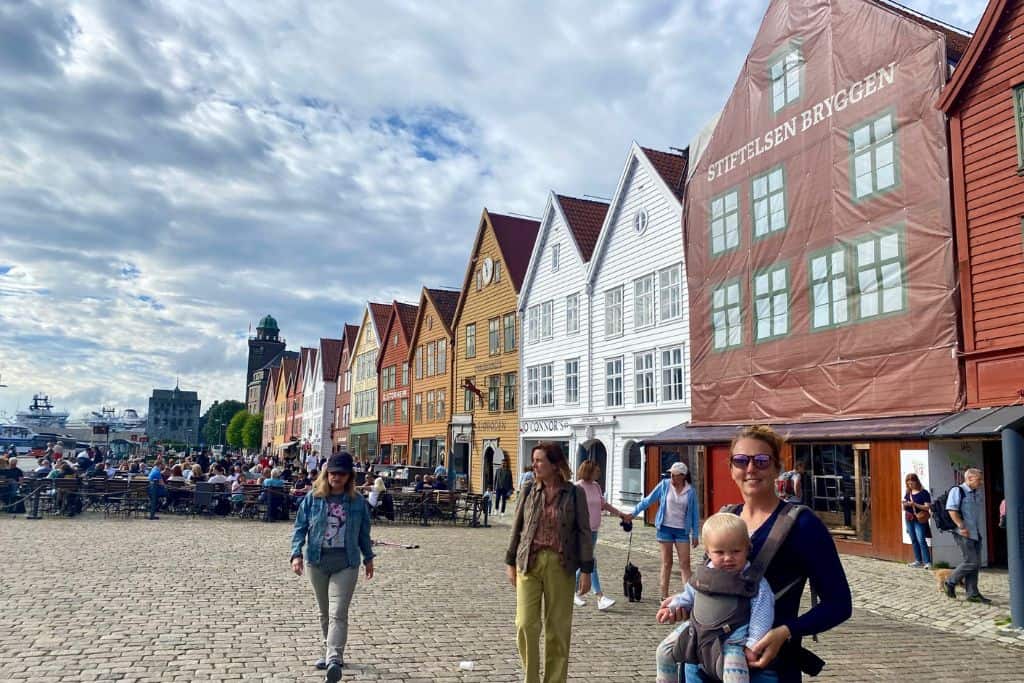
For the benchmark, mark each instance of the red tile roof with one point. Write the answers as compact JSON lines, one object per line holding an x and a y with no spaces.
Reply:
{"x":671,"y":166}
{"x":407,"y":317}
{"x":445,"y":301}
{"x":515,"y":238}
{"x":956,"y":39}
{"x":330,"y":356}
{"x":585,"y":216}
{"x":380,"y":314}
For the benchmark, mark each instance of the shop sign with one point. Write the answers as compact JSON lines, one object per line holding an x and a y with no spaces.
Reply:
{"x":493,"y":425}
{"x":489,"y":365}
{"x":543,"y":426}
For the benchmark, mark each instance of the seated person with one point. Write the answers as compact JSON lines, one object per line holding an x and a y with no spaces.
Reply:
{"x":376,"y":490}
{"x":43,"y":470}
{"x":176,"y":474}
{"x":218,"y":476}
{"x":301,"y":485}
{"x":418,"y":486}
{"x":440,"y":484}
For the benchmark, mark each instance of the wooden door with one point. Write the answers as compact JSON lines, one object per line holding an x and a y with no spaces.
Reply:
{"x":720,"y":486}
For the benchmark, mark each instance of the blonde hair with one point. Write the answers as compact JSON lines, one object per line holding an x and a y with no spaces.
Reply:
{"x":587,"y":469}
{"x":725,"y":523}
{"x":765,"y":435}
{"x":322,"y":487}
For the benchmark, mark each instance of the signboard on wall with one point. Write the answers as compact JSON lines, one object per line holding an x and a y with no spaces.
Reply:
{"x":912,"y":461}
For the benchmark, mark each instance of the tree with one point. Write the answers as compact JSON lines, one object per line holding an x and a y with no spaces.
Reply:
{"x":252,"y":432}
{"x":216,"y":419}
{"x":234,"y":433}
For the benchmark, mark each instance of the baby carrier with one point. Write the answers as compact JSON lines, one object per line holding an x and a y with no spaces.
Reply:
{"x":722,"y":601}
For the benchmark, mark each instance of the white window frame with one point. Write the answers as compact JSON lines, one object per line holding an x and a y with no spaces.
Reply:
{"x":547,"y":320}
{"x":613,"y":382}
{"x":644,"y":310}
{"x":533,"y":322}
{"x":673,"y":374}
{"x":644,"y":373}
{"x":670,"y":293}
{"x":613,"y":312}
{"x":533,"y":385}
{"x":572,"y":314}
{"x":547,"y":384}
{"x":556,"y":250}
{"x":572,"y":381}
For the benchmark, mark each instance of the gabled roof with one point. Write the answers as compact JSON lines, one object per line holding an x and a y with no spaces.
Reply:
{"x":585,"y":218}
{"x":330,"y":356}
{"x":307,"y":355}
{"x":983,"y":36}
{"x":407,"y":317}
{"x":956,"y":40}
{"x":671,"y":166}
{"x":515,"y":237}
{"x":403,"y":318}
{"x":639,"y":155}
{"x":288,"y":366}
{"x":348,"y":337}
{"x":379,"y":313}
{"x":444,"y":302}
{"x":275,"y":378}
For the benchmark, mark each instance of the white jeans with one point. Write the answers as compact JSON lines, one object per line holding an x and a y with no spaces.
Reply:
{"x":333,"y":596}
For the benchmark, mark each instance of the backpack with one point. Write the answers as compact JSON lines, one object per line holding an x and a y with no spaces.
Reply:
{"x":940,"y":515}
{"x":722,"y":601}
{"x":784,"y":486}
{"x":632,"y":582}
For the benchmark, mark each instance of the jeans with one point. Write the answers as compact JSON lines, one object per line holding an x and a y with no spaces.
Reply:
{"x":595,"y":580}
{"x":735,"y":660}
{"x":333,"y":596}
{"x":548,"y":581}
{"x":500,"y":497}
{"x":154,"y":498}
{"x":918,"y":539}
{"x":968,"y":569}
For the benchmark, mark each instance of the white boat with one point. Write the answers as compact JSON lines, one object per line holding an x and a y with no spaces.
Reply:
{"x":128,"y":420}
{"x":41,"y":417}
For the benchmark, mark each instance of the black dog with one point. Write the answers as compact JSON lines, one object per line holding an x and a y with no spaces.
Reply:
{"x":632,"y":584}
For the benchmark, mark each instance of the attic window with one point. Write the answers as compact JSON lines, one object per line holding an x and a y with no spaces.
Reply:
{"x":786,"y":76}
{"x":394,"y":340}
{"x":640,"y":221}
{"x":430,"y":322}
{"x":555,"y":256}
{"x":497,"y":271}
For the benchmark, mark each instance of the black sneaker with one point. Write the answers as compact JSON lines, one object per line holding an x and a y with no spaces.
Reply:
{"x":979,"y":598}
{"x":333,"y":672}
{"x":950,"y":590}
{"x":321,"y":664}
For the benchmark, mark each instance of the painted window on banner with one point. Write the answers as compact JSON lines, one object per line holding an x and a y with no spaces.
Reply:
{"x":874,"y":156}
{"x":725,"y":222}
{"x":768,"y":192}
{"x":725,"y":316}
{"x":771,"y":303}
{"x":880,"y":271}
{"x":785,"y":74}
{"x":829,"y":287}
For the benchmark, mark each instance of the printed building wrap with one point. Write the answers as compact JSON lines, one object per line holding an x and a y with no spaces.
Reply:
{"x":818,"y":229}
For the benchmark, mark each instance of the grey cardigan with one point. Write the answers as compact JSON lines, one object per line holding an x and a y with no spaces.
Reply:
{"x":574,"y":531}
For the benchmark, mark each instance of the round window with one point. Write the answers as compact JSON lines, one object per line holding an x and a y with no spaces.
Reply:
{"x":640,"y":221}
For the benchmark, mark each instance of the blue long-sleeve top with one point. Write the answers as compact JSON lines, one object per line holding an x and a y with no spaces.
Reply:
{"x":659,"y":494}
{"x":807,"y":554}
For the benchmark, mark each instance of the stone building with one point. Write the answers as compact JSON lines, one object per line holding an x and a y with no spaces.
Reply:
{"x":173,"y":416}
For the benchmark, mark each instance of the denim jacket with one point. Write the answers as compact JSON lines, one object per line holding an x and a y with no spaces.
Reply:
{"x":658,"y":495}
{"x":311,"y":523}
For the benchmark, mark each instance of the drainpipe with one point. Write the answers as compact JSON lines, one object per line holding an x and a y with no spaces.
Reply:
{"x":1013,"y":475}
{"x":590,"y":348}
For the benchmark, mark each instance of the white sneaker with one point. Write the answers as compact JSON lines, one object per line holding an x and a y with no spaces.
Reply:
{"x":578,"y":601}
{"x":927,"y":565}
{"x":915,"y":564}
{"x":604,"y":603}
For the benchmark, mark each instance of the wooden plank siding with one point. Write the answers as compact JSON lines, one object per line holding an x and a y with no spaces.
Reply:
{"x":430,"y":330}
{"x":989,"y":206}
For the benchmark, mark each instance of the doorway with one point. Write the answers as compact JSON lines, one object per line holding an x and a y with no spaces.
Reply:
{"x":595,"y":450}
{"x":488,"y":472}
{"x":995,"y":492}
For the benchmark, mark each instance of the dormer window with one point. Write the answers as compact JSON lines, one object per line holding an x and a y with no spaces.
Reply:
{"x":786,"y":74}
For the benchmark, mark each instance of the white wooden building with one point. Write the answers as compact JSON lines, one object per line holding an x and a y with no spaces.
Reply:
{"x":320,"y":390}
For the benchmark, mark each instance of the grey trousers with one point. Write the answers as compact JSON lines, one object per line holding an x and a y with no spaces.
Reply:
{"x":333,"y":596}
{"x":968,"y":569}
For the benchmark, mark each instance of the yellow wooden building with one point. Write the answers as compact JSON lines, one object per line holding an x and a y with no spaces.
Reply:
{"x":363,"y":435}
{"x":485,"y":410}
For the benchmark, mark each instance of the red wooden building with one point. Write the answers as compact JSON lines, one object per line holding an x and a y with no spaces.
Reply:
{"x":393,"y":384}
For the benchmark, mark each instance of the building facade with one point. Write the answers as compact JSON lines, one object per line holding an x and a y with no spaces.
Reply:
{"x":270,"y":411}
{"x":431,"y":357}
{"x":363,"y":437}
{"x":281,"y":403}
{"x":319,"y":396}
{"x":264,"y":349}
{"x":393,"y":388}
{"x":485,"y":419}
{"x":173,"y":416}
{"x":554,"y":307}
{"x":342,"y":403}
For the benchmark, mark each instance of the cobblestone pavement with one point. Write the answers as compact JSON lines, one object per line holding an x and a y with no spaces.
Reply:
{"x":90,"y":599}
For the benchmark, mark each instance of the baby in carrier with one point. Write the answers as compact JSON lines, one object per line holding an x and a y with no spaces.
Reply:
{"x":728,"y":610}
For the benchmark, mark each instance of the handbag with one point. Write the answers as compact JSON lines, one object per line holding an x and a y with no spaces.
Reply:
{"x":923,"y":516}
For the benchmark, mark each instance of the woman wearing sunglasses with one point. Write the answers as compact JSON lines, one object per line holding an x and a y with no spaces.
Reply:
{"x":676,"y":521}
{"x":807,"y":554}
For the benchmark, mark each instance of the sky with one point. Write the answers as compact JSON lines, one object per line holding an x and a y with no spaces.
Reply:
{"x":170,"y":172}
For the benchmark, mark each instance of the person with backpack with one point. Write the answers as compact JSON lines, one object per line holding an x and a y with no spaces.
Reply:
{"x":966,"y":507}
{"x":728,"y":611}
{"x":791,"y":547}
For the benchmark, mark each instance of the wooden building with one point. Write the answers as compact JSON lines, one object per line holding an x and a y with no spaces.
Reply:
{"x":820,"y":260}
{"x":485,"y":419}
{"x":393,"y":384}
{"x":342,"y":402}
{"x":431,"y":355}
{"x":363,"y":364}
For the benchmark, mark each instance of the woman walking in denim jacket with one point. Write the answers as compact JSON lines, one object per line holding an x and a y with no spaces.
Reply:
{"x":336,"y":521}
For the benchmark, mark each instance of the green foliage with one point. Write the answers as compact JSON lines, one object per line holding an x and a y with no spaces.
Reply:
{"x":216,"y":419}
{"x":252,"y":432}
{"x":234,"y":433}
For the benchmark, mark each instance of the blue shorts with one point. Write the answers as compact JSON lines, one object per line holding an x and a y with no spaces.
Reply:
{"x":670,"y":534}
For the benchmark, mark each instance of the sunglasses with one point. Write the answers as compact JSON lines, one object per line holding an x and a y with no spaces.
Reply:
{"x":741,"y":460}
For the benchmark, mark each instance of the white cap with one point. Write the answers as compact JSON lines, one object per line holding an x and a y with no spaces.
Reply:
{"x":678,"y":468}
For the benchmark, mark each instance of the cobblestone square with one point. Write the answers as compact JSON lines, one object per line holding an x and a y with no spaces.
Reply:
{"x":180,"y":599}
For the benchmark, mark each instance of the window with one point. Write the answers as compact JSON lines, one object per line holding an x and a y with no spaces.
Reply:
{"x":440,"y":404}
{"x":405,"y":374}
{"x":670,"y":292}
{"x":496,"y":277}
{"x":348,"y":380}
{"x":471,"y":341}
{"x":785,"y":78}
{"x":572,"y":381}
{"x":613,"y":312}
{"x":493,"y":390}
{"x":430,"y":406}
{"x":555,"y":249}
{"x":643,"y":377}
{"x":387,"y":377}
{"x":346,"y":415}
{"x":405,"y":411}
{"x":442,"y":356}
{"x":431,"y":358}
{"x":643,"y":301}
{"x":725,"y":222}
{"x":533,"y":318}
{"x":547,"y":314}
{"x":494,"y":336}
{"x":510,"y":391}
{"x":771,"y":303}
{"x":509,"y":323}
{"x":874,"y":157}
{"x":479,"y":279}
{"x":547,"y":384}
{"x":725,"y":315}
{"x":572,"y":314}
{"x":1018,"y":112}
{"x":533,"y":386}
{"x":829,"y":288}
{"x":768,"y":193}
{"x":418,"y":362}
{"x":468,"y":396}
{"x":613,"y":381}
{"x":672,"y":379}
{"x":394,"y":340}
{"x":880,"y":275}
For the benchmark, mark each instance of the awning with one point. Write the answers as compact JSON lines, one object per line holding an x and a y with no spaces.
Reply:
{"x":907,"y":427}
{"x":287,"y":445}
{"x":978,"y":422}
